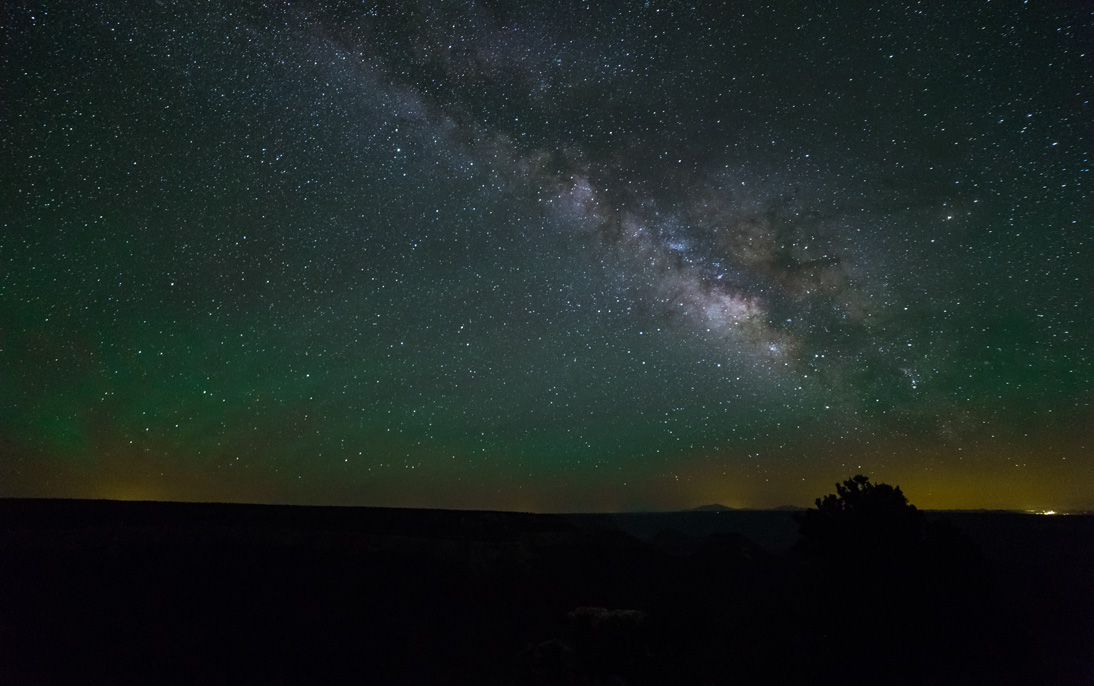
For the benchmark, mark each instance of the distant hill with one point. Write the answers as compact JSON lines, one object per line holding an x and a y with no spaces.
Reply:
{"x":716,"y":507}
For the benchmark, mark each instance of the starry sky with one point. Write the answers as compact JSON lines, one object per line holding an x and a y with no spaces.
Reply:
{"x":565,"y":256}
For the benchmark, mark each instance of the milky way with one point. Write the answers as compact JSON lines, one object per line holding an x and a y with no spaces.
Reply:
{"x":546,"y":257}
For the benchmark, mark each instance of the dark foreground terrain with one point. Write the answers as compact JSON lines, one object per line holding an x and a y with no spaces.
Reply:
{"x":110,"y":592}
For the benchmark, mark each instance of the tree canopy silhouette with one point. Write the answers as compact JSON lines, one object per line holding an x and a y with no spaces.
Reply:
{"x":860,"y":519}
{"x":905,"y":601}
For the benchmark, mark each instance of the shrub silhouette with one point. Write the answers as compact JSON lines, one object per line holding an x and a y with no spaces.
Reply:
{"x":905,"y":602}
{"x":862,"y":546}
{"x":861,"y":520}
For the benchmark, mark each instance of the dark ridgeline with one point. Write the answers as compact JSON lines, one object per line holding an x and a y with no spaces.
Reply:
{"x":874,"y":592}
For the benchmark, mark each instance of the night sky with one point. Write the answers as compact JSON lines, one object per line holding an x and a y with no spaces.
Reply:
{"x":548,"y":256}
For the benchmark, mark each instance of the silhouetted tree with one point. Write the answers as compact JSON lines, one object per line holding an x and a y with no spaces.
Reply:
{"x":861,"y":520}
{"x":904,"y":602}
{"x":862,"y":545}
